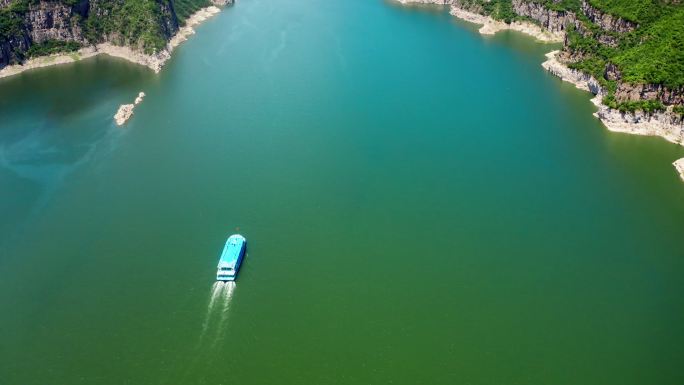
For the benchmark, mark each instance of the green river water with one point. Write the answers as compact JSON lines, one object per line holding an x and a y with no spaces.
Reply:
{"x":423,"y":205}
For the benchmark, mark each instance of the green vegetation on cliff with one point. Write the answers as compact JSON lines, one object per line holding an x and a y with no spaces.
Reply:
{"x":497,"y":9}
{"x":185,"y":8}
{"x":50,"y":47}
{"x":11,"y":19}
{"x":653,"y":53}
{"x":647,"y":49}
{"x":142,"y":24}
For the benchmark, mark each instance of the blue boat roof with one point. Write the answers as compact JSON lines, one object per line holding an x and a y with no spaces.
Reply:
{"x":232,"y":250}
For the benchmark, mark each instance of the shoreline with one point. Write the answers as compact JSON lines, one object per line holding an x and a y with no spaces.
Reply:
{"x":491,"y":26}
{"x":665,"y":124}
{"x":679,"y":166}
{"x":154,"y":61}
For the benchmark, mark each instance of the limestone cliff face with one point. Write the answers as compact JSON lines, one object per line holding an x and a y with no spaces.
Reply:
{"x":627,"y":92}
{"x":633,"y":92}
{"x":87,"y":22}
{"x":610,"y":26}
{"x":165,"y":19}
{"x":11,"y":48}
{"x":55,"y":21}
{"x":605,"y":21}
{"x":594,"y":24}
{"x":554,"y":21}
{"x":666,"y":124}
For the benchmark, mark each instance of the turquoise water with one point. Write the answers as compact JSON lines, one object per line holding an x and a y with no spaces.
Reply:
{"x":422,"y":205}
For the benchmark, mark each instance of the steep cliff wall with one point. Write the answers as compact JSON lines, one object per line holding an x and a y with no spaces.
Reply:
{"x":607,"y":21}
{"x":53,"y":21}
{"x":628,"y":54}
{"x":552,"y":20}
{"x":632,"y":48}
{"x":39,"y":27}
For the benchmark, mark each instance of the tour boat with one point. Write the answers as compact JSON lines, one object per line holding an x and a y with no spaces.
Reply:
{"x":231,"y":258}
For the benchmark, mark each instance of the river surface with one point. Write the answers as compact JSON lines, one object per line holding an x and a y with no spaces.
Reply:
{"x":423,"y":205}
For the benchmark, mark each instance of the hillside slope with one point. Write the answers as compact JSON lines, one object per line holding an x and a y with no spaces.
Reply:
{"x":633,"y":48}
{"x":30,"y":28}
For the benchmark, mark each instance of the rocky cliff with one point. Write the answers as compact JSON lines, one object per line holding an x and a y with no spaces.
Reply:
{"x":633,"y":49}
{"x":606,"y":21}
{"x":552,"y":20}
{"x":628,"y":53}
{"x":39,"y":27}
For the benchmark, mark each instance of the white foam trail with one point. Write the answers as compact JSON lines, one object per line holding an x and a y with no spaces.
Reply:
{"x":228,"y":294}
{"x":228,"y":291}
{"x":216,"y":291}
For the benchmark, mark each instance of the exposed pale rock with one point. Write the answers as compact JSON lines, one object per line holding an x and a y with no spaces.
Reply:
{"x":606,"y":21}
{"x":50,"y":20}
{"x":126,"y":110}
{"x":679,"y":165}
{"x":154,"y":61}
{"x":196,"y":18}
{"x":124,"y":113}
{"x":45,"y":61}
{"x":580,"y":79}
{"x":556,"y":22}
{"x":139,"y":99}
{"x":491,"y":26}
{"x":666,"y":124}
{"x":438,"y":2}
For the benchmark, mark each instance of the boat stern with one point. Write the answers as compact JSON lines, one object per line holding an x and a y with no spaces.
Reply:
{"x":226,"y":273}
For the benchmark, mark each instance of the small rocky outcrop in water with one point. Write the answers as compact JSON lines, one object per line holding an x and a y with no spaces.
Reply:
{"x":679,"y":165}
{"x":126,"y":110}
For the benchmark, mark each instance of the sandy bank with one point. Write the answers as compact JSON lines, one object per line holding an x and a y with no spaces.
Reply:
{"x":154,"y":61}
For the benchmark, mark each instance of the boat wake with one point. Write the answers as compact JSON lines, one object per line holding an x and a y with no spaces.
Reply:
{"x":219,"y":299}
{"x":228,"y":290}
{"x":213,"y":329}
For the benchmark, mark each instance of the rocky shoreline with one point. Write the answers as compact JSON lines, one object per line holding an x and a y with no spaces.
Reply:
{"x":154,"y":61}
{"x":666,"y":124}
{"x":679,"y":166}
{"x":491,"y":26}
